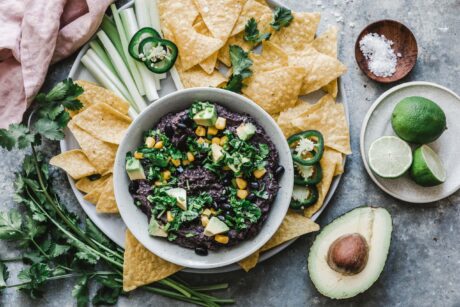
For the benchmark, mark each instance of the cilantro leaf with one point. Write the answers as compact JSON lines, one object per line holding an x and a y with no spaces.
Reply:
{"x":281,"y":18}
{"x":34,"y":276}
{"x":10,"y":225}
{"x":252,"y":34}
{"x":49,"y":129}
{"x":56,"y":250}
{"x":240,"y":64}
{"x":4,"y":274}
{"x":106,"y":296}
{"x":80,"y":291}
{"x":16,"y":135}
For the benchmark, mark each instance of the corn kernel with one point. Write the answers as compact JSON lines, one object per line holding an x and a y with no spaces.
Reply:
{"x":223,"y":140}
{"x":226,"y":168}
{"x":185,"y":162}
{"x":200,"y":131}
{"x":204,"y":220}
{"x":259,"y":173}
{"x":242,"y":194}
{"x":150,"y":142}
{"x":169,"y":216}
{"x":206,"y":212}
{"x":158,"y":145}
{"x":212,"y":131}
{"x":221,"y":123}
{"x":213,"y":211}
{"x":215,"y":140}
{"x":138,"y":155}
{"x":241,"y":183}
{"x":166,"y":175}
{"x":200,"y":141}
{"x":175,"y":162}
{"x":221,"y":239}
{"x":190,"y":156}
{"x":158,"y":183}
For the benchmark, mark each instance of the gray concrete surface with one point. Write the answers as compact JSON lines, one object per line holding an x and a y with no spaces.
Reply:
{"x":423,"y":267}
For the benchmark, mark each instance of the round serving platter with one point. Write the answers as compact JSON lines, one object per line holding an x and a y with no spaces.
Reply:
{"x":112,"y":225}
{"x":377,"y":123}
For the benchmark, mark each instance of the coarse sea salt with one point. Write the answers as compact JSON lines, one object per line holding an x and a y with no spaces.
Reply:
{"x":381,"y":58}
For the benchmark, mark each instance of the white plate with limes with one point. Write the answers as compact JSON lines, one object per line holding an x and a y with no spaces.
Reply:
{"x":377,"y":124}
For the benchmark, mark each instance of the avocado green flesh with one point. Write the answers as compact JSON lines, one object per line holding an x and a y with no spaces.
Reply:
{"x":206,"y":117}
{"x":134,"y":169}
{"x":375,"y":225}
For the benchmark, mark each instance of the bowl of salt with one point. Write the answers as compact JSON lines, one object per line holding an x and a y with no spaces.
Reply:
{"x":386,"y":51}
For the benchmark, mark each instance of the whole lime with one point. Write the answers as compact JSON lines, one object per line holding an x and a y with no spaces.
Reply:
{"x":418,"y":120}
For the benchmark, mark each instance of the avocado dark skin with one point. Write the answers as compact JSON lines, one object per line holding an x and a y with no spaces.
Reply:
{"x":348,"y":254}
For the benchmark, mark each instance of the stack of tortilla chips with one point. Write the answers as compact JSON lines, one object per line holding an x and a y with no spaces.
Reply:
{"x":98,"y":128}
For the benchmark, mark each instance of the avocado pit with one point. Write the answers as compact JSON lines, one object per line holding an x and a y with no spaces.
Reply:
{"x":348,"y":254}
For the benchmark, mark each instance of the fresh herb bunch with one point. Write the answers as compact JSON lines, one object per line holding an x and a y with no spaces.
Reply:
{"x":281,"y":18}
{"x":56,"y":244}
{"x":252,"y":34}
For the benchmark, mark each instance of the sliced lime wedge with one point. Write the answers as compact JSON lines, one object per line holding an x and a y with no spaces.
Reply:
{"x":427,"y":169}
{"x":390,"y":157}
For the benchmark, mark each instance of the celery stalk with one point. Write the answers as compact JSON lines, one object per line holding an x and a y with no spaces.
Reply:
{"x":109,"y":28}
{"x":111,"y":76}
{"x":139,"y":102}
{"x":130,"y":25}
{"x":124,"y":42}
{"x":94,"y":44}
{"x":152,"y":9}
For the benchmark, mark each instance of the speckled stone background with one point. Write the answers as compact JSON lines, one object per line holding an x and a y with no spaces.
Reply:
{"x":423,"y":267}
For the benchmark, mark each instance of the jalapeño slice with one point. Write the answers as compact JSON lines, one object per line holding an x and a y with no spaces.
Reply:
{"x":137,"y":38}
{"x":303,"y":197}
{"x":307,"y":174}
{"x":307,"y":147}
{"x":159,"y":55}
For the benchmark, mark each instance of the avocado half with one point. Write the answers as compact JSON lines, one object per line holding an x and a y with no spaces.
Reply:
{"x":349,"y":254}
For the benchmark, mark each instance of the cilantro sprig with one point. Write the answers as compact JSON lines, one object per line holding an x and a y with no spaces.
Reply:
{"x":241,"y":64}
{"x":55,"y":243}
{"x":281,"y":18}
{"x":252,"y":33}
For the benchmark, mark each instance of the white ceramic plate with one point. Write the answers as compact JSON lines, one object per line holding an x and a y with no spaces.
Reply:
{"x":112,"y":225}
{"x":377,"y":123}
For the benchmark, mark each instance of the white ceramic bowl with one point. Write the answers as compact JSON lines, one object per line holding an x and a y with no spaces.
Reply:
{"x":137,"y":222}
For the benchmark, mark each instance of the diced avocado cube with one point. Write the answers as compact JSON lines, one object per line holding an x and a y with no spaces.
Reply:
{"x":206,"y":117}
{"x":245,"y":131}
{"x":156,"y":230}
{"x":180,"y":195}
{"x":134,"y":169}
{"x":215,"y":227}
{"x":217,"y":153}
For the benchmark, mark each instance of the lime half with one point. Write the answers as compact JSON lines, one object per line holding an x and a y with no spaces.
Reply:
{"x":390,"y":157}
{"x":427,"y":169}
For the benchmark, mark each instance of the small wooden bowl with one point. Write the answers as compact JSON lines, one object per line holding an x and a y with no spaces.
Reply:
{"x":403,"y":42}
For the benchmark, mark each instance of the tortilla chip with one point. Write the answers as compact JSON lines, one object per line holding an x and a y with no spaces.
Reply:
{"x":299,"y":33}
{"x":320,"y":68}
{"x":224,"y":52}
{"x":141,"y":267}
{"x":103,"y":122}
{"x":100,"y":153}
{"x":328,"y":164}
{"x":250,"y":262}
{"x":220,"y":16}
{"x":209,"y":64}
{"x":327,"y":43}
{"x":197,"y":77}
{"x":271,"y":58}
{"x":87,"y":185}
{"x":95,"y":94}
{"x":275,"y":90}
{"x":106,"y":202}
{"x":75,"y":163}
{"x":285,"y":119}
{"x":339,"y":168}
{"x":253,"y":9}
{"x":176,"y":11}
{"x":194,"y":47}
{"x":294,"y":225}
{"x":93,"y":195}
{"x":330,"y":119}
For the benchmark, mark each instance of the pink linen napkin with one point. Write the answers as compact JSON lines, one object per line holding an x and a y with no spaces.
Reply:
{"x":35,"y":34}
